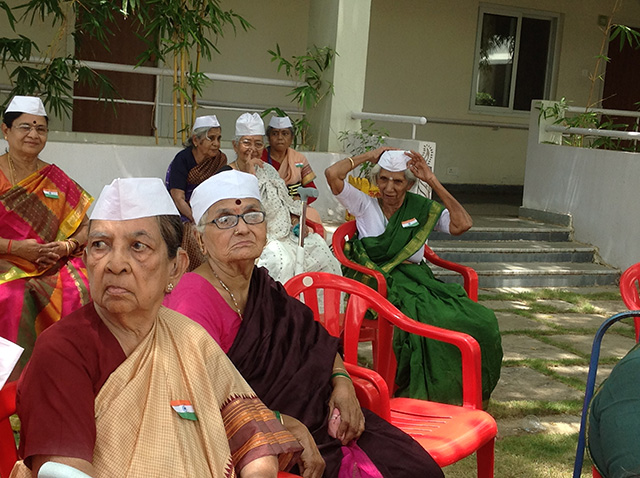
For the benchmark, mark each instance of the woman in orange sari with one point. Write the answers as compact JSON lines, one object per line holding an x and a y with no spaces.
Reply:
{"x":43,"y":229}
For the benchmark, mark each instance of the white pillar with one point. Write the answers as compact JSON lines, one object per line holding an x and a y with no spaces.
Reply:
{"x":343,"y":25}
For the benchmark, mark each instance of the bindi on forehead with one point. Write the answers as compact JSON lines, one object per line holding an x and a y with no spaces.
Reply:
{"x":238,"y":202}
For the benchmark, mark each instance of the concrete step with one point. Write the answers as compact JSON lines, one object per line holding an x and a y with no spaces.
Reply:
{"x":540,"y":274}
{"x":493,"y":228}
{"x":512,"y":251}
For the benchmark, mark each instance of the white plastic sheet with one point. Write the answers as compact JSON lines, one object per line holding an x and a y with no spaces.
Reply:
{"x":9,"y":355}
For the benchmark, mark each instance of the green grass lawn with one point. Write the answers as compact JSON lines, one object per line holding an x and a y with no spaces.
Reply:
{"x":527,"y":456}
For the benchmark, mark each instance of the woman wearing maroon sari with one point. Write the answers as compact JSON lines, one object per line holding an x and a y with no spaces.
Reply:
{"x":289,"y":360}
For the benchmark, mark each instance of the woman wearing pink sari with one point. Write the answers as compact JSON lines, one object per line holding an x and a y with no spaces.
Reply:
{"x":43,"y":229}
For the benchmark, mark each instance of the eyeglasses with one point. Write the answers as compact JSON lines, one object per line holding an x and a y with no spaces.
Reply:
{"x":227,"y":222}
{"x":25,"y":129}
{"x":248,"y":144}
{"x":211,"y":140}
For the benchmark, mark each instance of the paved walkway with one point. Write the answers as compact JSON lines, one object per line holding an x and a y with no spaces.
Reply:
{"x":546,"y":354}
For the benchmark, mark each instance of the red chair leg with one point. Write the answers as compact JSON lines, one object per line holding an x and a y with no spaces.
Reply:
{"x":485,"y":459}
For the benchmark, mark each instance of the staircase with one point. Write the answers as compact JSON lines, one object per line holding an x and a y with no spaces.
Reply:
{"x":507,"y":251}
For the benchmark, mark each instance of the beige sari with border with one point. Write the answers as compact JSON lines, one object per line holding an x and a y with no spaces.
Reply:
{"x":222,"y":427}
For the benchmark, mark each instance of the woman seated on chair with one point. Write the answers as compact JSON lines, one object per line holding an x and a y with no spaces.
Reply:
{"x":124,"y":387}
{"x":290,"y":361}
{"x":198,"y":161}
{"x":392,"y":231}
{"x":43,"y":229}
{"x":280,"y":256}
{"x":292,"y":166}
{"x":614,"y":418}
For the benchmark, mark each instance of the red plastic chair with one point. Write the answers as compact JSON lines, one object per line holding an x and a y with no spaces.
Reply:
{"x":448,"y":432}
{"x":8,"y":451}
{"x":317,"y":227}
{"x":629,"y":289}
{"x":348,"y":229}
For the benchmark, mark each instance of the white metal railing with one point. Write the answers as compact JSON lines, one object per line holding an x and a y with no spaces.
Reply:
{"x":607,"y":133}
{"x":167,"y":72}
{"x":412,"y":120}
{"x":594,"y":132}
{"x":482,"y":124}
{"x":604,"y":111}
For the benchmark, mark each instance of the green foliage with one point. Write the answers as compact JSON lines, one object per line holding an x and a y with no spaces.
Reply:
{"x":53,"y":78}
{"x":358,"y":142}
{"x":587,"y":119}
{"x":590,"y":119}
{"x":169,"y":27}
{"x":485,"y":99}
{"x":628,"y":36}
{"x":309,"y":69}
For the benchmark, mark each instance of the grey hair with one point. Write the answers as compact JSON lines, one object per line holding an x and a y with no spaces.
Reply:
{"x":374,"y":172}
{"x":199,"y":133}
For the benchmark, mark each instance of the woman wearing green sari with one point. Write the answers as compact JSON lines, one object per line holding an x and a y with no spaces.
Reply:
{"x":392,"y":231}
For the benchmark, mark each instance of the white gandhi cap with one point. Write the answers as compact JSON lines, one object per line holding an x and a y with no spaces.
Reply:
{"x":133,"y":198}
{"x":231,"y":184}
{"x":26,"y":104}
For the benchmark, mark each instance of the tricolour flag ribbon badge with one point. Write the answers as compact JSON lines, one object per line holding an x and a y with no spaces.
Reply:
{"x":184,"y":409}
{"x":50,"y":193}
{"x":413,"y":222}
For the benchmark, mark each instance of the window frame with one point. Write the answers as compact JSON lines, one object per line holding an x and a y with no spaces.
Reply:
{"x":552,"y":56}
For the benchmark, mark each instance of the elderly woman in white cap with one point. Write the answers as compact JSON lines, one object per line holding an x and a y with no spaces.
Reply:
{"x":283,"y":212}
{"x":198,"y":161}
{"x":126,"y":387}
{"x":287,"y":357}
{"x":392,"y":231}
{"x":292,"y":166}
{"x":43,"y":229}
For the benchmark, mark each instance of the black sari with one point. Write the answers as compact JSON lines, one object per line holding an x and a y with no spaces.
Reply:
{"x":287,"y":358}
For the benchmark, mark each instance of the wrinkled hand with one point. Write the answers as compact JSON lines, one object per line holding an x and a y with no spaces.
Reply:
{"x":344,"y":399}
{"x":374,"y":155}
{"x":42,"y":255}
{"x":418,"y":166}
{"x":312,"y":464}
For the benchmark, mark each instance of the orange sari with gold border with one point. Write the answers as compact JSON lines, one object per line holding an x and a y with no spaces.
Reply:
{"x":46,"y":206}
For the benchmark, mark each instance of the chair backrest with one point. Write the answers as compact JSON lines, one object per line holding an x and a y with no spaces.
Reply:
{"x":362,"y":298}
{"x":589,"y":389}
{"x":342,"y":234}
{"x":630,"y":292}
{"x":347,"y":230}
{"x":8,"y":452}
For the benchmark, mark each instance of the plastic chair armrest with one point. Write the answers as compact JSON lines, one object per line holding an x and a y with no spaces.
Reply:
{"x":337,"y":242}
{"x":468,"y":346}
{"x":375,"y":400}
{"x":317,"y":228}
{"x":469,"y":275}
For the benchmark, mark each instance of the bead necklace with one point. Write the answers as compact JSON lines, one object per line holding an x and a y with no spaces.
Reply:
{"x":233,"y":297}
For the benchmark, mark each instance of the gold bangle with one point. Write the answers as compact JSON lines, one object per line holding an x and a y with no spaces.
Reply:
{"x":353,"y":165}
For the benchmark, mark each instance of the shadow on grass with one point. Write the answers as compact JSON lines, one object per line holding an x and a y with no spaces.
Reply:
{"x":528,"y":456}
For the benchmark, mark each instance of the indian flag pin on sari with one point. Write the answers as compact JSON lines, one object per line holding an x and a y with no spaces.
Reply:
{"x":184,"y":409}
{"x":50,"y":193}
{"x":413,"y":222}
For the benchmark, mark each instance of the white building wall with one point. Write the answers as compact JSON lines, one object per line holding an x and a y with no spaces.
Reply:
{"x":598,"y":188}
